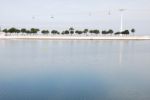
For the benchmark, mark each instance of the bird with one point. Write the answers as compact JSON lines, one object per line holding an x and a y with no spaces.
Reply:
{"x":109,"y":13}
{"x":90,"y":14}
{"x":52,"y":16}
{"x":33,"y":17}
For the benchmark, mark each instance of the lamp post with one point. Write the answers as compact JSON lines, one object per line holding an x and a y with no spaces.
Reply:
{"x":121,"y":19}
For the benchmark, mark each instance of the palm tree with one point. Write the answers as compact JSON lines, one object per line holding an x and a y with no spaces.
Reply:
{"x":71,"y":30}
{"x":91,"y":31}
{"x":110,"y":31}
{"x":78,"y":32}
{"x":45,"y":32}
{"x":133,"y":31}
{"x":126,"y":32}
{"x":34,"y":30}
{"x":5,"y":30}
{"x":66,"y":32}
{"x":23,"y":30}
{"x":96,"y":31}
{"x":104,"y":32}
{"x":85,"y":31}
{"x":12,"y":30}
{"x":54,"y":32}
{"x":63,"y":32}
{"x":18,"y":31}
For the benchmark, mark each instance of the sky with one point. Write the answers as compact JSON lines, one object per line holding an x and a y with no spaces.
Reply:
{"x":62,"y":14}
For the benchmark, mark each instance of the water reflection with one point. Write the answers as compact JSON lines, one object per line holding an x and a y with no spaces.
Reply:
{"x":74,"y":70}
{"x":120,"y":53}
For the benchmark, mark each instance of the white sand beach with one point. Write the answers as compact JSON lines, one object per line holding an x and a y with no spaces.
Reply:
{"x":78,"y":37}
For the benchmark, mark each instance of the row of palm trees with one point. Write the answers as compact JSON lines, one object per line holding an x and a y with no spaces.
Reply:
{"x":70,"y":31}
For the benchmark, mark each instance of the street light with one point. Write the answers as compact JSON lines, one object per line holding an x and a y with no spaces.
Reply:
{"x":121,"y":20}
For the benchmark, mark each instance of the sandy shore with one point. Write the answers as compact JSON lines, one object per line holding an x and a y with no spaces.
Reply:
{"x":50,"y":37}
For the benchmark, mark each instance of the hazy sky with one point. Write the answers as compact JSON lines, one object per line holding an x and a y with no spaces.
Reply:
{"x":102,"y":14}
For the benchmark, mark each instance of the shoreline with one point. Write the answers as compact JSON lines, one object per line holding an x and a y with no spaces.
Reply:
{"x":50,"y":37}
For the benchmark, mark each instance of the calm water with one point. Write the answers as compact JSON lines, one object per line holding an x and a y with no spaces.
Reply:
{"x":74,"y":70}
